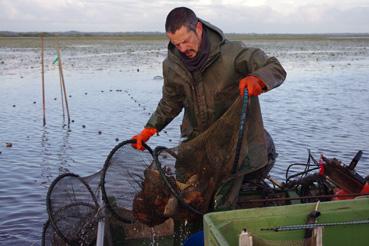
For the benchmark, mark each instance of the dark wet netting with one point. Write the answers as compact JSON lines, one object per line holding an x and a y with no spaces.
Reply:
{"x":76,"y":204}
{"x":122,"y":176}
{"x":72,"y":207}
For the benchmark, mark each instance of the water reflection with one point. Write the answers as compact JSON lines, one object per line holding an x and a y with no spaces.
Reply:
{"x":46,"y":174}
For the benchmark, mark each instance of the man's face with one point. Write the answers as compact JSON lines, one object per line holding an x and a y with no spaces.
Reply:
{"x":187,"y":41}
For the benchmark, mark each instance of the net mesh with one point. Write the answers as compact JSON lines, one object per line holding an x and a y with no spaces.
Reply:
{"x":122,"y":177}
{"x":50,"y":237}
{"x":73,"y":208}
{"x":195,"y":169}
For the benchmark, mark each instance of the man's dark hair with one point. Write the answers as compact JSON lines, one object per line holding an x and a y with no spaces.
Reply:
{"x":179,"y":17}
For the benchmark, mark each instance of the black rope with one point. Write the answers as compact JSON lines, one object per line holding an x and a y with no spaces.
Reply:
{"x":307,"y":166}
{"x":301,"y":173}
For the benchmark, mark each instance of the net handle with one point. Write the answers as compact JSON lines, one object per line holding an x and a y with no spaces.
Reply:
{"x":243,"y":119}
{"x":104,"y":170}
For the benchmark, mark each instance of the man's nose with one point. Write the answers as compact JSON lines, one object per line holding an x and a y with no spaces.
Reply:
{"x":182,"y":48}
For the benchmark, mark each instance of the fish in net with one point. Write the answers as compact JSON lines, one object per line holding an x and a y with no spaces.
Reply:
{"x":182,"y":182}
{"x":121,"y":179}
{"x":122,"y":176}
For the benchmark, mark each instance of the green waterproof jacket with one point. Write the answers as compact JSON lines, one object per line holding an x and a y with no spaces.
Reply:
{"x":205,"y":95}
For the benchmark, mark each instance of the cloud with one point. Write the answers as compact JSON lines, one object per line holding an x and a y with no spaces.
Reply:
{"x":305,"y":19}
{"x":243,"y":16}
{"x":326,"y":19}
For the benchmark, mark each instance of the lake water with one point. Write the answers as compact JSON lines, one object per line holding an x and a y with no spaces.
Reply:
{"x":113,"y":85}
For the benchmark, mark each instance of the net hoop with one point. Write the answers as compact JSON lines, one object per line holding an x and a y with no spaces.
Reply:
{"x":52,"y":213}
{"x":104,"y":171}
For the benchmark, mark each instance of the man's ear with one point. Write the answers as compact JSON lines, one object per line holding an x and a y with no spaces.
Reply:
{"x":199,"y":28}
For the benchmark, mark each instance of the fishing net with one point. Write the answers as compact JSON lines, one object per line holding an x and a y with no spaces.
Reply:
{"x":76,"y":204}
{"x":183,"y":181}
{"x":73,"y":209}
{"x":122,"y":176}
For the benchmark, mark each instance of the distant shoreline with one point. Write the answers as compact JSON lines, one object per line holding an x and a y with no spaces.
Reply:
{"x":160,"y":35}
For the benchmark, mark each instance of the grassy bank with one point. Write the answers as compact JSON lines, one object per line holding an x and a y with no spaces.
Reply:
{"x":32,"y":40}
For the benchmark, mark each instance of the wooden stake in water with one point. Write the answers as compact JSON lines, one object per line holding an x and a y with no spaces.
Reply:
{"x":43,"y":80}
{"x":60,"y":81}
{"x":63,"y":84}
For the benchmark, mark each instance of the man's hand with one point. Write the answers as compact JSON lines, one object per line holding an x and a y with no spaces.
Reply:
{"x":144,"y":136}
{"x":253,"y":84}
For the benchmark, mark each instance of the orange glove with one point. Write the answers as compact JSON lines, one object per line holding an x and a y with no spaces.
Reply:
{"x":253,"y":84}
{"x":144,"y":136}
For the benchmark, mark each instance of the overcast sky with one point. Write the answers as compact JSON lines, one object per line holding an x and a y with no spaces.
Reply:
{"x":240,"y":16}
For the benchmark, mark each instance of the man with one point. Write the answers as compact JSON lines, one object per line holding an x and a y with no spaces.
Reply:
{"x":204,"y":73}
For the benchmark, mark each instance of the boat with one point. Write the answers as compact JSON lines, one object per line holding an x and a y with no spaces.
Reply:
{"x":344,"y":222}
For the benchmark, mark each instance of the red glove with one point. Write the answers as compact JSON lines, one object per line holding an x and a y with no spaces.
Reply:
{"x":144,"y":136}
{"x":253,"y":84}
